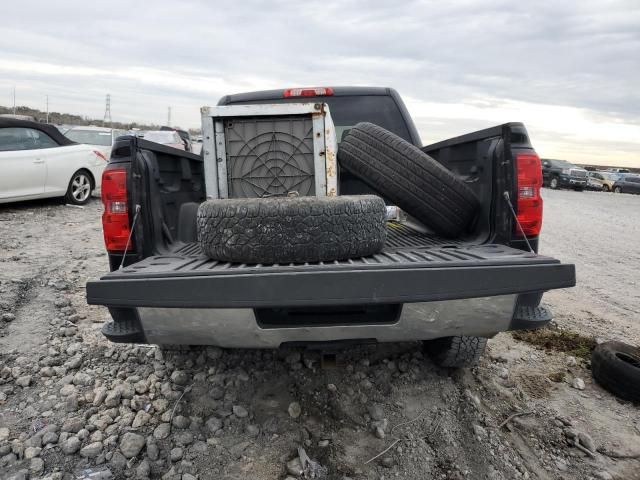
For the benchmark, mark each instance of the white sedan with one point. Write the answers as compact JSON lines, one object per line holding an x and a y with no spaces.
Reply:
{"x":102,"y":138}
{"x":37,"y":161}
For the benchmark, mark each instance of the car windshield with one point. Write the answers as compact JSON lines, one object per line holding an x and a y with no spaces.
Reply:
{"x":90,"y":137}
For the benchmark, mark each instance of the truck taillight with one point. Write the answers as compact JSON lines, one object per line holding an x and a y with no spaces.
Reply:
{"x":529,"y":199}
{"x":308,"y":92}
{"x":115,"y":219}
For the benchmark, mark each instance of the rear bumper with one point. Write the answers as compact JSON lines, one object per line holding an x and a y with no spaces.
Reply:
{"x":399,"y":295}
{"x":239,"y":328}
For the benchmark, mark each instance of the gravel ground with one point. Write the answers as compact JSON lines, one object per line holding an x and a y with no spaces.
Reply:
{"x":599,"y":232}
{"x":72,"y":405}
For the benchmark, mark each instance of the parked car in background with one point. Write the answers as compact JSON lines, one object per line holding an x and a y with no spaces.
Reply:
{"x":170,"y":138}
{"x":37,"y":161}
{"x":184,"y":135}
{"x":196,"y":145}
{"x":100,"y":137}
{"x":602,"y":181}
{"x":135,"y":132}
{"x":30,"y":118}
{"x":627,"y":184}
{"x":560,"y":173}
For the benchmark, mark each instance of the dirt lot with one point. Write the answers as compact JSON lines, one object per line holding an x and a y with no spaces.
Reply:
{"x":73,"y":405}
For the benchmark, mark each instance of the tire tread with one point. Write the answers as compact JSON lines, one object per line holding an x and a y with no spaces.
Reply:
{"x":613,"y":374}
{"x":456,"y":352}
{"x":291,"y":230}
{"x":409,"y":178}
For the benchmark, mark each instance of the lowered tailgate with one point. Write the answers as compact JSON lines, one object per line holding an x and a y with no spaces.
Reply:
{"x":412,"y":268}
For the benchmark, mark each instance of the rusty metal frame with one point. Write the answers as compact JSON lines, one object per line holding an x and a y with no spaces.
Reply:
{"x":324,"y":143}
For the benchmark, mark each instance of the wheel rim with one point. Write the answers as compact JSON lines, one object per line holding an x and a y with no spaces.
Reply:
{"x":617,"y":190}
{"x":554,"y":183}
{"x":81,"y":187}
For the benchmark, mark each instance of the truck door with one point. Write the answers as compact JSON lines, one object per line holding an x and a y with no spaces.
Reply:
{"x":23,"y":170}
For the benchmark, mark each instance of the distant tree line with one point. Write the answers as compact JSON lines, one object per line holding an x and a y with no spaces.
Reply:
{"x":71,"y":119}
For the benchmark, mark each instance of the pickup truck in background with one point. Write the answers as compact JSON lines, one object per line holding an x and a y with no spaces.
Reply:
{"x":562,"y":174}
{"x":451,"y":294}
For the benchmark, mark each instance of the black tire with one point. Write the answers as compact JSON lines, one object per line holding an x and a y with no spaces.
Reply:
{"x":80,"y":188}
{"x":456,"y":352}
{"x":409,"y":178}
{"x":617,"y":190}
{"x":616,"y":367}
{"x":606,"y":188}
{"x":554,"y":183}
{"x":292,"y":230}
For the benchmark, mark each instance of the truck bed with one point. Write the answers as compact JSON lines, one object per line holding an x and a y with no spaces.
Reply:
{"x":410,"y":261}
{"x":405,"y":247}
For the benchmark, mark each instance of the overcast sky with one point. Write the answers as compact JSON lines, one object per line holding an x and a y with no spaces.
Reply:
{"x":569,"y":70}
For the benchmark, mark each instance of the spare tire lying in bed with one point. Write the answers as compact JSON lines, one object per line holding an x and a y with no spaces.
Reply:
{"x":291,"y":229}
{"x":409,"y":178}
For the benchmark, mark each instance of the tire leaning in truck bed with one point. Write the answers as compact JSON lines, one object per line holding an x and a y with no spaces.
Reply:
{"x":291,"y":229}
{"x":409,"y":178}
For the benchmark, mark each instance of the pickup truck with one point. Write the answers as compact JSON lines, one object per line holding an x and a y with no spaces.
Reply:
{"x":451,"y":294}
{"x":562,"y":174}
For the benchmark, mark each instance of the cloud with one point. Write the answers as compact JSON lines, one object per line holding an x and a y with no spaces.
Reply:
{"x":569,"y":70}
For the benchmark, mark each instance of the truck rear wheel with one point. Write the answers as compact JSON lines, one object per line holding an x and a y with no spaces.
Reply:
{"x":456,"y":352}
{"x":409,"y":178}
{"x":292,"y":230}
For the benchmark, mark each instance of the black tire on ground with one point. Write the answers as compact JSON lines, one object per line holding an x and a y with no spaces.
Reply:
{"x":409,"y":178}
{"x":554,"y":183}
{"x":616,"y":367}
{"x":80,"y":188}
{"x":456,"y":352}
{"x":292,"y":230}
{"x":617,"y":190}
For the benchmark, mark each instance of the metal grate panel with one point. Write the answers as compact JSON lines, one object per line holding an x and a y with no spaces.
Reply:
{"x":269,"y":156}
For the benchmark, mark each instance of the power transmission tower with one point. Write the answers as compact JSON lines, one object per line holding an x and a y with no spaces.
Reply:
{"x":169,"y":117}
{"x":107,"y":111}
